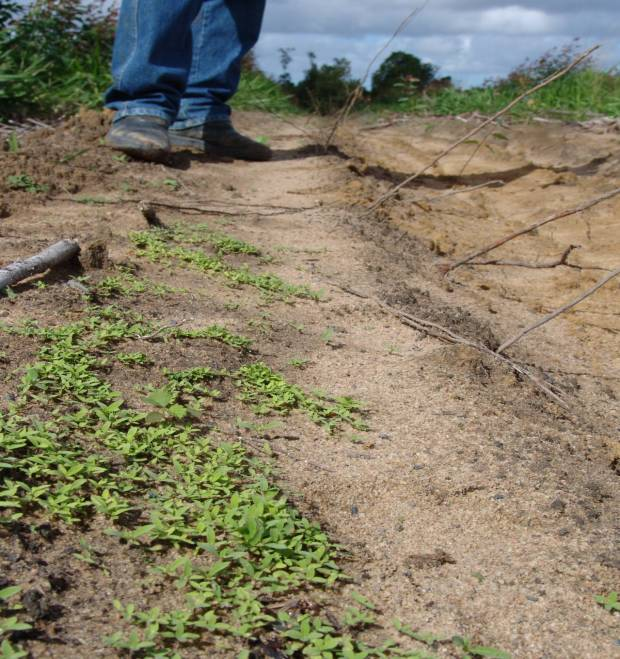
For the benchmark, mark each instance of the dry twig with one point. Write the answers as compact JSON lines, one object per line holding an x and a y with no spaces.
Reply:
{"x":443,"y":333}
{"x":551,"y":218}
{"x":240,"y":209}
{"x":497,"y":183}
{"x":561,"y":260}
{"x":356,"y":94}
{"x":393,"y":191}
{"x":173,"y":325}
{"x":557,"y":312}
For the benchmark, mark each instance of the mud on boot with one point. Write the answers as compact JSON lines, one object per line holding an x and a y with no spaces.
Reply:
{"x":140,"y":136}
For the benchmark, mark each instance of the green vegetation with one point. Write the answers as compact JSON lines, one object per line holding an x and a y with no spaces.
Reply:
{"x":125,"y":283}
{"x":258,"y":92}
{"x":170,"y":246}
{"x":201,"y":510}
{"x":55,"y":54}
{"x":577,"y":96}
{"x":401,"y":75}
{"x":609,"y":602}
{"x":24,"y":182}
{"x":326,"y":88}
{"x":269,"y":393}
{"x":585,"y":91}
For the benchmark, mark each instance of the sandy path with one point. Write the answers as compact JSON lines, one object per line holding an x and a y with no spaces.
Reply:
{"x":473,"y":506}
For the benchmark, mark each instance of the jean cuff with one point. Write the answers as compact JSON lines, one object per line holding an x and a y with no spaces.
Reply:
{"x":219,"y":114}
{"x":141,"y":111}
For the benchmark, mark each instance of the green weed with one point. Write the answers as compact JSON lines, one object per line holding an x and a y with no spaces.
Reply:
{"x":166,"y":246}
{"x":134,"y":359}
{"x":125,"y":283}
{"x":268,"y":393}
{"x":13,"y":143}
{"x":609,"y":602}
{"x":25,"y":183}
{"x":212,"y":526}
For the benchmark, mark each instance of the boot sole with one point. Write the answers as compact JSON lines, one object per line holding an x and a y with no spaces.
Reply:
{"x":150,"y":155}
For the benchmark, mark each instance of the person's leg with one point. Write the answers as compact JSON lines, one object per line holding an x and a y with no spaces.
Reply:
{"x":152,"y":56}
{"x":222,"y":33}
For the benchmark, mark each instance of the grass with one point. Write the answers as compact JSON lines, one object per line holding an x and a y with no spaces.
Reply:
{"x":258,"y":92}
{"x":576,"y":96}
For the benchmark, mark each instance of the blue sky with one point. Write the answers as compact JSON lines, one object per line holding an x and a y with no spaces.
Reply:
{"x":470,"y":40}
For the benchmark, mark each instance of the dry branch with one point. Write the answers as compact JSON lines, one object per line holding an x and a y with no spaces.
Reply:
{"x":239,"y":209}
{"x":443,"y":333}
{"x":49,"y":258}
{"x":393,"y":191}
{"x":551,"y":218}
{"x":557,"y":312}
{"x":355,"y":95}
{"x":497,"y":183}
{"x":561,"y":260}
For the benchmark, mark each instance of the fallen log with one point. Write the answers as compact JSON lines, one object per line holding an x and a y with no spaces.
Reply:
{"x":50,"y":257}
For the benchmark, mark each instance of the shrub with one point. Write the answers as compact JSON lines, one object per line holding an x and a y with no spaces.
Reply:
{"x":401,"y":75}
{"x":326,"y":88}
{"x":54,"y":55}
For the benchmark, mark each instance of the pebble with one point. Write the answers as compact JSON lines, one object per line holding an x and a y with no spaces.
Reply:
{"x":499,"y":497}
{"x":418,"y":467}
{"x":384,"y":435}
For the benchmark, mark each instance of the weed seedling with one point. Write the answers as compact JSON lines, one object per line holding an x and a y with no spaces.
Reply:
{"x":25,"y":183}
{"x":609,"y":602}
{"x":13,"y":143}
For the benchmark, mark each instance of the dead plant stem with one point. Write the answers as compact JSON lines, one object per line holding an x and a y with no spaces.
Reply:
{"x":557,"y":312}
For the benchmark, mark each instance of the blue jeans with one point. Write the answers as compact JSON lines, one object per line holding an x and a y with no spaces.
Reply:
{"x":181,"y":59}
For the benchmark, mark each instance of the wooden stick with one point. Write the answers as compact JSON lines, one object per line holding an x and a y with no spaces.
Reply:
{"x":557,"y":312}
{"x":551,"y":218}
{"x":49,"y":258}
{"x":358,"y":91}
{"x":393,"y":191}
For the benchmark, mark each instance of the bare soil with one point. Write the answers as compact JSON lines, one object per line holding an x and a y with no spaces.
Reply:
{"x":475,"y":505}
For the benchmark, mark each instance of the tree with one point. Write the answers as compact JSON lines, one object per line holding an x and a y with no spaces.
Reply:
{"x":326,"y":88}
{"x":400,"y":75}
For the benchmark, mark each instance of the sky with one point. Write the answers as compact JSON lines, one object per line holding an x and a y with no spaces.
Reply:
{"x":470,"y":40}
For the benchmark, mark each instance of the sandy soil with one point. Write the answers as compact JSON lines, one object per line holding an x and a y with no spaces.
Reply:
{"x":475,"y":505}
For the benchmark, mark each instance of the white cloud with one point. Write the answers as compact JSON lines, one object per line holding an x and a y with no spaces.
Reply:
{"x":469,"y":39}
{"x":515,"y":19}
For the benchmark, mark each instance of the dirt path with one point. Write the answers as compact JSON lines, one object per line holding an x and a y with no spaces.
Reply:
{"x":473,"y":505}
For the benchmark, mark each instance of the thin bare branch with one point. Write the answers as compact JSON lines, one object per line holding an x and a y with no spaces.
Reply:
{"x":551,"y":218}
{"x":356,"y":94}
{"x":445,"y":334}
{"x":558,"y":312}
{"x":561,"y":260}
{"x":393,"y":191}
{"x":497,"y":183}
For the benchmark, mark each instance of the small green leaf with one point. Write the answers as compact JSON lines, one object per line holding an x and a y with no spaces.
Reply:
{"x":160,"y":397}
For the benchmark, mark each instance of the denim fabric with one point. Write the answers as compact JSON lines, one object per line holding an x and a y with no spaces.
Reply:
{"x":181,"y":59}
